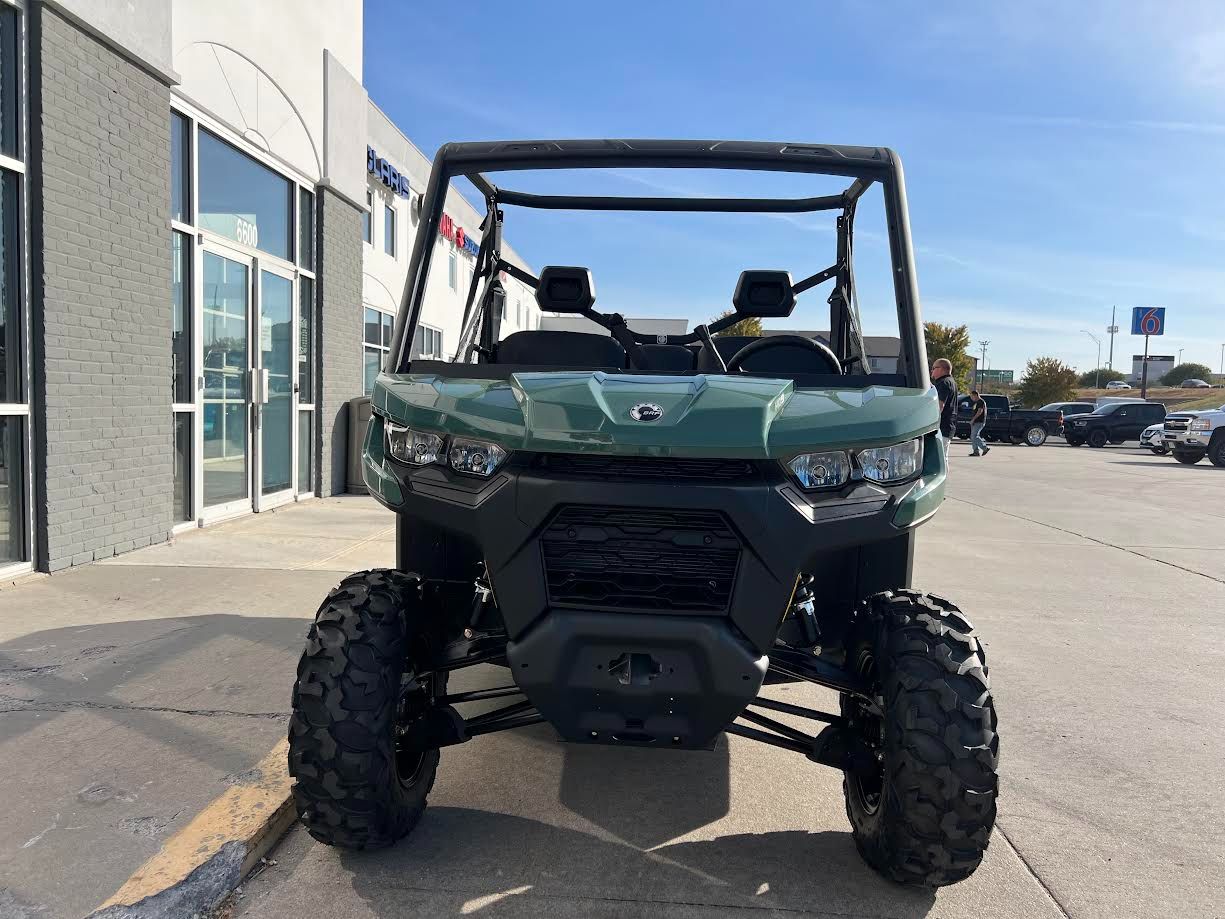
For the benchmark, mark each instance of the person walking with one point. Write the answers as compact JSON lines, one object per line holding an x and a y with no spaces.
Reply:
{"x":978,"y":421}
{"x":946,"y":390}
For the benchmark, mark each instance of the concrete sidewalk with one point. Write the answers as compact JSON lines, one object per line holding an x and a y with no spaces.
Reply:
{"x":135,"y":691}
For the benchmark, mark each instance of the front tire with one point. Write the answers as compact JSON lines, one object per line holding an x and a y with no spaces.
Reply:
{"x":1098,"y":438}
{"x":1188,"y":457}
{"x":356,"y":785}
{"x":926,"y":817}
{"x":1160,"y":451}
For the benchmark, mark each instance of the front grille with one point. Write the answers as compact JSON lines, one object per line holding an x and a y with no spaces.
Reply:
{"x":645,"y":468}
{"x":640,"y":558}
{"x":1177,"y":424}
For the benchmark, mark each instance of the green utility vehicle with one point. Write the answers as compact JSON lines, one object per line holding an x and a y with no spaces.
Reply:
{"x":647,"y":531}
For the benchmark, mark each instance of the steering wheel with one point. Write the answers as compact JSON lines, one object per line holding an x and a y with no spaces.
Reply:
{"x":776,"y":341}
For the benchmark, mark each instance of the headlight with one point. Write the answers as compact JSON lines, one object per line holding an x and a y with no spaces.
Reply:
{"x":420,"y":448}
{"x":475,"y":457}
{"x":1201,"y":424}
{"x":821,"y":470}
{"x":1080,"y":424}
{"x":892,"y":464}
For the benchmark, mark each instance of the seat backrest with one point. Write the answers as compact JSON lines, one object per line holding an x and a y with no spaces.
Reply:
{"x":669,"y":358}
{"x":544,"y":348}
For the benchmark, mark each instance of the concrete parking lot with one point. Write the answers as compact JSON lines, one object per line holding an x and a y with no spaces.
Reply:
{"x":1097,"y":578}
{"x":132,"y":693}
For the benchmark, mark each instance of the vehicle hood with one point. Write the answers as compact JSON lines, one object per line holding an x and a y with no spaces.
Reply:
{"x":702,"y":415}
{"x":1196,"y":413}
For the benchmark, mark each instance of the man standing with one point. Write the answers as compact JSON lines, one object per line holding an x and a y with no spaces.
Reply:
{"x":978,"y":421}
{"x":946,"y":390}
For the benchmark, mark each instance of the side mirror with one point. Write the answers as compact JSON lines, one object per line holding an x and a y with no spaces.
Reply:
{"x":764,"y":294}
{"x":565,"y":290}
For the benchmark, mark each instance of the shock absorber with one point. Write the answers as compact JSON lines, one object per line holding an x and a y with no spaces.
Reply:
{"x":480,"y":600}
{"x":805,"y":613}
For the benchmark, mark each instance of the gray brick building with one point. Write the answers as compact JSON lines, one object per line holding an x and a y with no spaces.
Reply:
{"x":204,"y":230}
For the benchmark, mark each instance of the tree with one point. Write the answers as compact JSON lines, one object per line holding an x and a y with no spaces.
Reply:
{"x":1100,"y":376}
{"x":1188,"y":371}
{"x":952,"y":342}
{"x":1046,"y":379}
{"x":750,"y":327}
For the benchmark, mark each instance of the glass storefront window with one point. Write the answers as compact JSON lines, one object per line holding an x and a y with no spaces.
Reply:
{"x":10,"y":91}
{"x":180,"y":168}
{"x":305,"y":485}
{"x":367,"y":232}
{"x":306,"y":229}
{"x":243,"y":200}
{"x":180,"y":343}
{"x":182,"y":465}
{"x":376,"y":343}
{"x":306,"y":342}
{"x":12,"y":490}
{"x":10,"y":291}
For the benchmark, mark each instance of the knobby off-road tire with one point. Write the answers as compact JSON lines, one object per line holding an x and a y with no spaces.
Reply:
{"x":930,"y":818}
{"x":353,"y":788}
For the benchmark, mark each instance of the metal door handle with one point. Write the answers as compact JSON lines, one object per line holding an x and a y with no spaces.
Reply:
{"x":263,"y":386}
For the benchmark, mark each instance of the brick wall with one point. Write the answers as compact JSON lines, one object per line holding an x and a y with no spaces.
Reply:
{"x":100,"y":151}
{"x":340,"y":330}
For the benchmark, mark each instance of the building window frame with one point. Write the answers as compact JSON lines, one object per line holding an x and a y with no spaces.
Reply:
{"x":305,"y":404}
{"x":368,"y":220}
{"x":17,"y":410}
{"x":389,"y":229}
{"x":376,"y":345}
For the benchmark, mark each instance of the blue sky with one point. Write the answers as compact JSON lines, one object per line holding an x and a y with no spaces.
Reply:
{"x":1060,"y":157}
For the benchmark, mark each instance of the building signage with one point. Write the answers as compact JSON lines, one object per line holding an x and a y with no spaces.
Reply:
{"x":455,"y":233}
{"x":1148,"y":320}
{"x":386,"y":173}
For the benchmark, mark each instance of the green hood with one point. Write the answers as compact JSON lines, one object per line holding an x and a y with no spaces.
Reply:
{"x":703,"y":415}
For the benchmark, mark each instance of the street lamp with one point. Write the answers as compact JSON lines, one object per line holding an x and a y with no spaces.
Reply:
{"x":1097,"y":380}
{"x":1180,"y":351}
{"x":982,"y":372}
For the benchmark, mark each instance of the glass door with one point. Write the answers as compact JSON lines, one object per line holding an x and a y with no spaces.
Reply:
{"x":226,"y":295}
{"x":275,"y":369}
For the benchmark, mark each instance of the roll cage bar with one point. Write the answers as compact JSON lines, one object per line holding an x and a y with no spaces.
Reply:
{"x":482,"y":314}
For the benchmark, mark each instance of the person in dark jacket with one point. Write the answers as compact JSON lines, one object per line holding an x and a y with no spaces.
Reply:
{"x":946,"y":389}
{"x":978,"y":421}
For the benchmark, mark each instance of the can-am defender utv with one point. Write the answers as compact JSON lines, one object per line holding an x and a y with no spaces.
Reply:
{"x":643,"y":530}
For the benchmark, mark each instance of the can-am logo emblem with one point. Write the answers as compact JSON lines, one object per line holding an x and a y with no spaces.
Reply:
{"x":646,"y":411}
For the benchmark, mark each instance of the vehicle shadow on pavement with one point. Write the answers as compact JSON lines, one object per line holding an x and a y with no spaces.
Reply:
{"x":1169,"y":463}
{"x":461,"y":862}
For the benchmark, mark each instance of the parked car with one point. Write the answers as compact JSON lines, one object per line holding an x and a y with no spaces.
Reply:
{"x":1065,"y":409}
{"x":1115,"y":423}
{"x":1118,"y":384}
{"x":1009,"y":422}
{"x":1196,"y":384}
{"x":1193,"y":435}
{"x":1153,"y":438}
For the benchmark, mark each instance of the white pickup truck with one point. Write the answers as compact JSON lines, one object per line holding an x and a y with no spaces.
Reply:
{"x":1191,"y":436}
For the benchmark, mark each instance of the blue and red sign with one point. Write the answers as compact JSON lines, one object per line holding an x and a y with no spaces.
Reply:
{"x":1148,"y":320}
{"x":455,"y":233}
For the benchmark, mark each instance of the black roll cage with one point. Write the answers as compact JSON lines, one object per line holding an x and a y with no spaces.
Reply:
{"x":864,"y":165}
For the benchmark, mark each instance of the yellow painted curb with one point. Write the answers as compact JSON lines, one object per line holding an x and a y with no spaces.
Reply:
{"x":255,"y":814}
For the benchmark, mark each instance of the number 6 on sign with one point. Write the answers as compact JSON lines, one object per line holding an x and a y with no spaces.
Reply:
{"x":1148,"y":320}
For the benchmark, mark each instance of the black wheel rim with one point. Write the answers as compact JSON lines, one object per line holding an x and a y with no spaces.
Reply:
{"x":416,"y":699}
{"x":869,"y":726}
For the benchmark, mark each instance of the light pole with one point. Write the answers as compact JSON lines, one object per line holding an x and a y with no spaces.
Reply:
{"x":1180,"y":351}
{"x":983,"y":366}
{"x":1097,"y":381}
{"x":1113,"y":330}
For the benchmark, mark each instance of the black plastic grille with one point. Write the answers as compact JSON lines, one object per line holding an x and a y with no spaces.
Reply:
{"x":646,"y":468}
{"x":640,"y":558}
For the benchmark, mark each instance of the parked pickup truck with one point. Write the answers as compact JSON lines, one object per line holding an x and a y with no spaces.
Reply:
{"x":1113,"y":423}
{"x":1193,"y":435}
{"x":1006,"y":422}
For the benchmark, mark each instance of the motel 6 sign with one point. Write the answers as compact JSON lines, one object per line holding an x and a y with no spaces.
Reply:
{"x":1148,"y":320}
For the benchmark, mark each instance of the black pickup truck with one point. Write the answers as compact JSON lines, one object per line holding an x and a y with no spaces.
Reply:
{"x":1006,"y":422}
{"x":1114,"y":423}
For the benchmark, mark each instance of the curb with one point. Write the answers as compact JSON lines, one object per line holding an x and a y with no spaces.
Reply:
{"x":202,"y":863}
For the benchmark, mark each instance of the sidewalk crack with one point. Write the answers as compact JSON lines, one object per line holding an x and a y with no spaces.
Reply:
{"x":15,"y":704}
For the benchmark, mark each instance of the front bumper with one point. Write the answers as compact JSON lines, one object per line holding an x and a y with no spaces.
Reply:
{"x":1186,"y":440}
{"x":642,"y":610}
